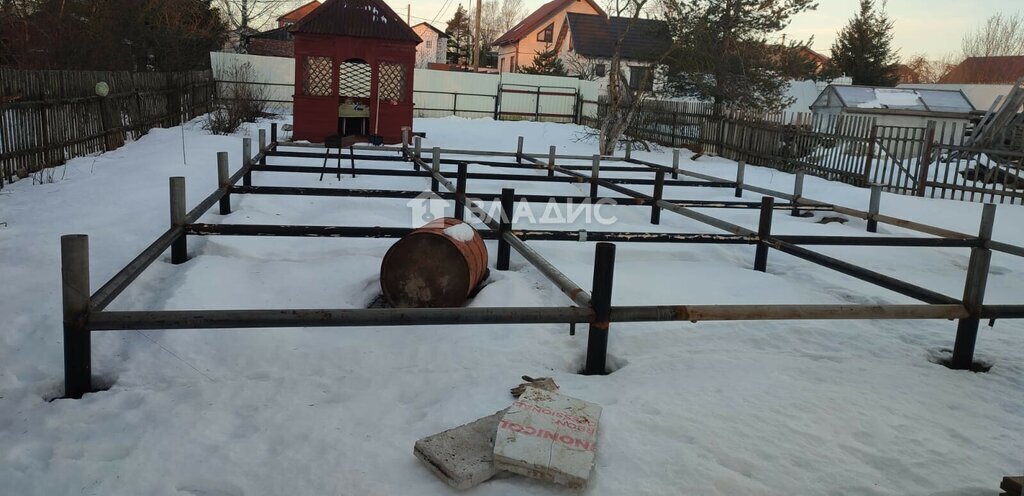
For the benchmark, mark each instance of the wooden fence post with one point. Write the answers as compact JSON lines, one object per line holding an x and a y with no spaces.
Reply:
{"x":675,"y":125}
{"x":926,"y":158}
{"x":107,"y":123}
{"x":871,"y":153}
{"x":551,"y":161}
{"x":675,"y":163}
{"x":45,"y":139}
{"x":175,"y":104}
{"x":519,"y":151}
{"x":74,"y":256}
{"x":6,"y":165}
{"x":974,"y":294}
{"x":263,"y":146}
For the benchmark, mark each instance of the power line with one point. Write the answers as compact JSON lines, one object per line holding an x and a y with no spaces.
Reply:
{"x":442,"y":10}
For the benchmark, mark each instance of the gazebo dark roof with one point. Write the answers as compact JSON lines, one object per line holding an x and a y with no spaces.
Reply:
{"x":360,"y":18}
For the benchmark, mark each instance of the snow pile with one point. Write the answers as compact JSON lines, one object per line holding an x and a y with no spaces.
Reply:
{"x":460,"y":232}
{"x":845,"y":407}
{"x":893,"y":98}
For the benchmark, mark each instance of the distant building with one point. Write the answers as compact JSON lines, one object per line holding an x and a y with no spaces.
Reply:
{"x":820,"y":61}
{"x":584,"y":38}
{"x":588,"y":45}
{"x":536,"y":33}
{"x":296,"y":15}
{"x":278,"y":42}
{"x":986,"y":70}
{"x":434,"y":47}
{"x":907,"y":74}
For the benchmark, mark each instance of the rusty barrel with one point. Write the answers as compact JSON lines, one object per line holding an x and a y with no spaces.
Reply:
{"x":437,"y":265}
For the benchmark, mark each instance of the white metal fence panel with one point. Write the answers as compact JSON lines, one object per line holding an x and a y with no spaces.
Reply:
{"x":275,"y":75}
{"x":443,"y":93}
{"x":440,"y":93}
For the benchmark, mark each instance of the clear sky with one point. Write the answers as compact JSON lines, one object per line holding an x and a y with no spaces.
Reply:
{"x":934,"y":27}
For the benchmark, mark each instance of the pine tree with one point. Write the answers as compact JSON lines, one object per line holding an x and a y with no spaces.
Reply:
{"x":723,"y":54}
{"x":546,"y":63}
{"x":460,"y":37}
{"x":864,"y":49}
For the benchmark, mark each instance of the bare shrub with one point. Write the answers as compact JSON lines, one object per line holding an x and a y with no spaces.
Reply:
{"x":241,"y":99}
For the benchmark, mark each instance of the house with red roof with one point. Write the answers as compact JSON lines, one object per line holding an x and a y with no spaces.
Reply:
{"x":584,"y":37}
{"x":539,"y":32}
{"x":278,"y":42}
{"x":986,"y":70}
{"x":290,"y":18}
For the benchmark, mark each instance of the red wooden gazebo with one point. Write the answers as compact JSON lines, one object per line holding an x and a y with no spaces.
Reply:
{"x":354,"y":64}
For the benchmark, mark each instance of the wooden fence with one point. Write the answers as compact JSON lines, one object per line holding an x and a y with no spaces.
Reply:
{"x":49,"y":117}
{"x":931,"y":161}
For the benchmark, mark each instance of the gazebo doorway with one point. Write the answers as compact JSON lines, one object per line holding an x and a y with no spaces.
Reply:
{"x":355,"y":79}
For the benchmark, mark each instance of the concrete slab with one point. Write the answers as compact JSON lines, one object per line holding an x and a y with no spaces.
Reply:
{"x":548,"y":436}
{"x":464,"y":456}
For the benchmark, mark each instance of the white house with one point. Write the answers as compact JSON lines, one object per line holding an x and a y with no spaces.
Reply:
{"x":434,"y":47}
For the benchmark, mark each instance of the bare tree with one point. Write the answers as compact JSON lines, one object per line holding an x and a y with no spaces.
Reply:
{"x":1001,"y":35}
{"x":243,"y":99}
{"x":922,"y":70}
{"x":510,"y":13}
{"x":616,"y":8}
{"x":252,"y":14}
{"x":584,"y":68}
{"x":625,"y":100}
{"x":491,"y":27}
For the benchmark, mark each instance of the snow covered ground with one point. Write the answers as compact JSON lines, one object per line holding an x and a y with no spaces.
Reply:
{"x":710,"y":408}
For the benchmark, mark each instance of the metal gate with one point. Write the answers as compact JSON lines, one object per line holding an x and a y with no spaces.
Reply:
{"x":537,"y":103}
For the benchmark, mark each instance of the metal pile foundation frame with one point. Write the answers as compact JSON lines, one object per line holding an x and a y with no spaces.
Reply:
{"x":85,"y":313}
